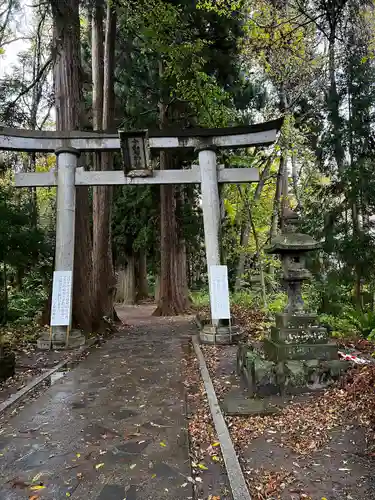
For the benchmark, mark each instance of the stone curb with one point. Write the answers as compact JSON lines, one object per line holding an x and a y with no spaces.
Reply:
{"x":236,"y":478}
{"x":16,"y":397}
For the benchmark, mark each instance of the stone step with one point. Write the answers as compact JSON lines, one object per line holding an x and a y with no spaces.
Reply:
{"x":282,"y":352}
{"x":312,"y":335}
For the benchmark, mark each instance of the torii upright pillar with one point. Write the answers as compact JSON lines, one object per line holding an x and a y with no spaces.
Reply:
{"x":67,"y":147}
{"x":211,"y":208}
{"x":66,"y":160}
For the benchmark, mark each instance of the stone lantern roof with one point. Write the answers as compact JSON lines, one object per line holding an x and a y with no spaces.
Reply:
{"x":290,"y":241}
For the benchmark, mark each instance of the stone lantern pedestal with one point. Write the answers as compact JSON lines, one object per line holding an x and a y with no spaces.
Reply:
{"x":298,"y":353}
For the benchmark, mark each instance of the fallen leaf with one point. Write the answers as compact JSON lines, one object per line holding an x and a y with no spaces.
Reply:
{"x":37,"y":477}
{"x":163,"y":444}
{"x":98,"y":466}
{"x":133,"y":466}
{"x":37,"y":487}
{"x":202,"y":467}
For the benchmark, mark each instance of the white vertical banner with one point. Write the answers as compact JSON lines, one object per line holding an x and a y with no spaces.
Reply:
{"x":61,"y":307}
{"x":219,"y":292}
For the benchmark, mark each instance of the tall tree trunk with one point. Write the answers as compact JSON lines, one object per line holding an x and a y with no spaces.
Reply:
{"x":171,"y":300}
{"x":275,"y":218}
{"x":68,"y":99}
{"x":126,"y":286}
{"x":257,"y":246}
{"x":333,"y":101}
{"x":104,"y":279}
{"x":157,"y":289}
{"x":181,"y":199}
{"x":295,"y":178}
{"x":97,"y":54}
{"x":245,"y":234}
{"x":277,"y":199}
{"x":172,"y":292}
{"x":141,"y":276}
{"x":283,"y":106}
{"x":5,"y":302}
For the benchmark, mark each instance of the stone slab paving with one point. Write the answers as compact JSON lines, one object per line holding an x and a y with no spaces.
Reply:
{"x":112,"y":428}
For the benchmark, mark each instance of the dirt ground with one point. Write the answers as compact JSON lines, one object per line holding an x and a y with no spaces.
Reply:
{"x":305,"y":452}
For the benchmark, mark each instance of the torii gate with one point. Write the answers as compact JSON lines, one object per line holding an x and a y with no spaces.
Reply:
{"x":68,"y":145}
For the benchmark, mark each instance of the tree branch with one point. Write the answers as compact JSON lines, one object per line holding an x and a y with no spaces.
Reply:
{"x":36,"y":80}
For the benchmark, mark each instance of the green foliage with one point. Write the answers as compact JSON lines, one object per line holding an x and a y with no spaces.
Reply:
{"x":351,"y":323}
{"x":222,"y":7}
{"x":200,"y":298}
{"x":23,"y":248}
{"x":133,"y":220}
{"x":20,"y":244}
{"x":247,"y":299}
{"x":25,"y":305}
{"x":277,"y":303}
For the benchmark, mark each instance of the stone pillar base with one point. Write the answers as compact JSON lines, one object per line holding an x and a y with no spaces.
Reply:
{"x":76,"y":339}
{"x":222,"y":335}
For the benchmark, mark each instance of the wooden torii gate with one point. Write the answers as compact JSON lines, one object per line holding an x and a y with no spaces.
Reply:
{"x":68,"y":145}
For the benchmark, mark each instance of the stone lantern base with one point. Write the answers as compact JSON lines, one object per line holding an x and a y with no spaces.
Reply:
{"x":297,"y":357}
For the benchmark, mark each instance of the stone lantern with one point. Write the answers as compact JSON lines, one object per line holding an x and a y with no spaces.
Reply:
{"x":298,"y":353}
{"x":292,"y":247}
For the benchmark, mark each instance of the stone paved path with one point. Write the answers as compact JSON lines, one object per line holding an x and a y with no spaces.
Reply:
{"x":112,"y":428}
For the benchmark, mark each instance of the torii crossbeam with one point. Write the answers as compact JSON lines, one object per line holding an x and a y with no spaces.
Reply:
{"x":68,"y":145}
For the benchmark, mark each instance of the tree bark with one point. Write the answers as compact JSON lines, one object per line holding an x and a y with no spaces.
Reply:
{"x":276,"y":215}
{"x":245,"y":234}
{"x":333,"y":101}
{"x":97,"y":54}
{"x":104,"y":279}
{"x":171,"y":301}
{"x":68,"y":100}
{"x":277,"y":199}
{"x":258,"y":251}
{"x":172,"y":292}
{"x":141,"y":276}
{"x":126,"y":287}
{"x":157,"y":289}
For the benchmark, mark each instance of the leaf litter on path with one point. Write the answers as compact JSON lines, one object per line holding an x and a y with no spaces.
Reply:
{"x":304,"y":427}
